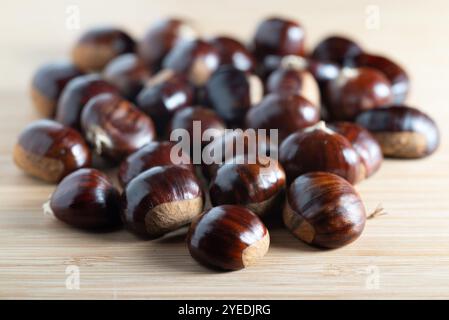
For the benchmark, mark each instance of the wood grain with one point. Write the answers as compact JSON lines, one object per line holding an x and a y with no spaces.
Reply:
{"x":404,"y":254}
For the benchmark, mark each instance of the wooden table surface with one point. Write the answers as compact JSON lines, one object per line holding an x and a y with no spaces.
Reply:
{"x":404,"y":254}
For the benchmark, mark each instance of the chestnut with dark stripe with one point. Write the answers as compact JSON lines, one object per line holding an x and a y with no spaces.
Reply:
{"x":86,"y":199}
{"x":160,"y":200}
{"x":324,"y":210}
{"x":49,"y":151}
{"x":228,"y":237}
{"x":233,"y":52}
{"x":402,"y":131}
{"x":336,"y":49}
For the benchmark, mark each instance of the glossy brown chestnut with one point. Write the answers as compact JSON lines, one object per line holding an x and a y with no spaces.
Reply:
{"x":257,"y":184}
{"x":364,"y":144}
{"x":114,"y":127}
{"x":75,"y":96}
{"x":318,"y":148}
{"x":196,"y":59}
{"x":128,"y":73}
{"x":285,"y":112}
{"x":48,"y":83}
{"x":151,"y":155}
{"x":86,"y":199}
{"x":160,"y":200}
{"x":49,"y":151}
{"x":356,"y":90}
{"x":324,"y":210}
{"x":400,"y":84}
{"x":198,"y":121}
{"x":233,"y":52}
{"x":402,"y":132}
{"x":165,"y":93}
{"x":232,"y":92}
{"x":279,"y":37}
{"x":228,"y":237}
{"x":96,"y":47}
{"x":336,"y":49}
{"x":161,"y":37}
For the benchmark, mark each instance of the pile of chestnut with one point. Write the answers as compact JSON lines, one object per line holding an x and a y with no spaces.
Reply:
{"x":338,"y":109}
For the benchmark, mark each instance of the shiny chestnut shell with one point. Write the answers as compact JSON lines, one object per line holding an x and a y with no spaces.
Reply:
{"x":115,"y":127}
{"x":48,"y":83}
{"x":160,"y":200}
{"x":49,"y":151}
{"x":228,"y":237}
{"x":75,"y":96}
{"x":97,"y":46}
{"x":256,"y":183}
{"x":233,"y":52}
{"x":151,"y":155}
{"x":320,"y":149}
{"x":336,"y":49}
{"x":324,"y":210}
{"x":363,"y":142}
{"x":86,"y":199}
{"x":128,"y":73}
{"x":402,"y":131}
{"x":285,"y":112}
{"x":197,"y":59}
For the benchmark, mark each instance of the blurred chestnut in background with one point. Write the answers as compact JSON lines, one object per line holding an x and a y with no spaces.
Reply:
{"x":48,"y":83}
{"x":402,"y":131}
{"x":196,"y":59}
{"x":324,"y":210}
{"x":160,"y":200}
{"x":155,"y":153}
{"x":256,"y":183}
{"x":128,"y":73}
{"x":97,"y":46}
{"x":228,"y":237}
{"x":161,"y":37}
{"x":356,"y":90}
{"x":318,"y":148}
{"x":163,"y":95}
{"x":75,"y":96}
{"x":114,"y":127}
{"x":285,"y":112}
{"x":233,"y":52}
{"x":86,"y":199}
{"x":232,"y":92}
{"x":49,"y":151}
{"x":337,"y":49}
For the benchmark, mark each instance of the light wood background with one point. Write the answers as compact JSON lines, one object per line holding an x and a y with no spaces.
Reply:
{"x":404,"y":254}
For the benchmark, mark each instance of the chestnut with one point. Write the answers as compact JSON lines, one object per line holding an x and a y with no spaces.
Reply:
{"x":228,"y":237}
{"x":75,"y":96}
{"x":400,"y":83}
{"x":163,"y":95}
{"x":364,"y":144}
{"x":356,"y":90}
{"x":285,"y":112}
{"x":151,"y":155}
{"x":257,"y":184}
{"x":48,"y":83}
{"x":279,"y":37}
{"x":324,"y":210}
{"x":197,"y":59}
{"x":233,"y":52}
{"x":86,"y":199}
{"x":97,"y":46}
{"x":161,"y":37}
{"x":337,"y":49}
{"x":318,"y":148}
{"x":160,"y":200}
{"x":232,"y":92}
{"x":114,"y":127}
{"x":128,"y":73}
{"x":402,"y":131}
{"x":49,"y":151}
